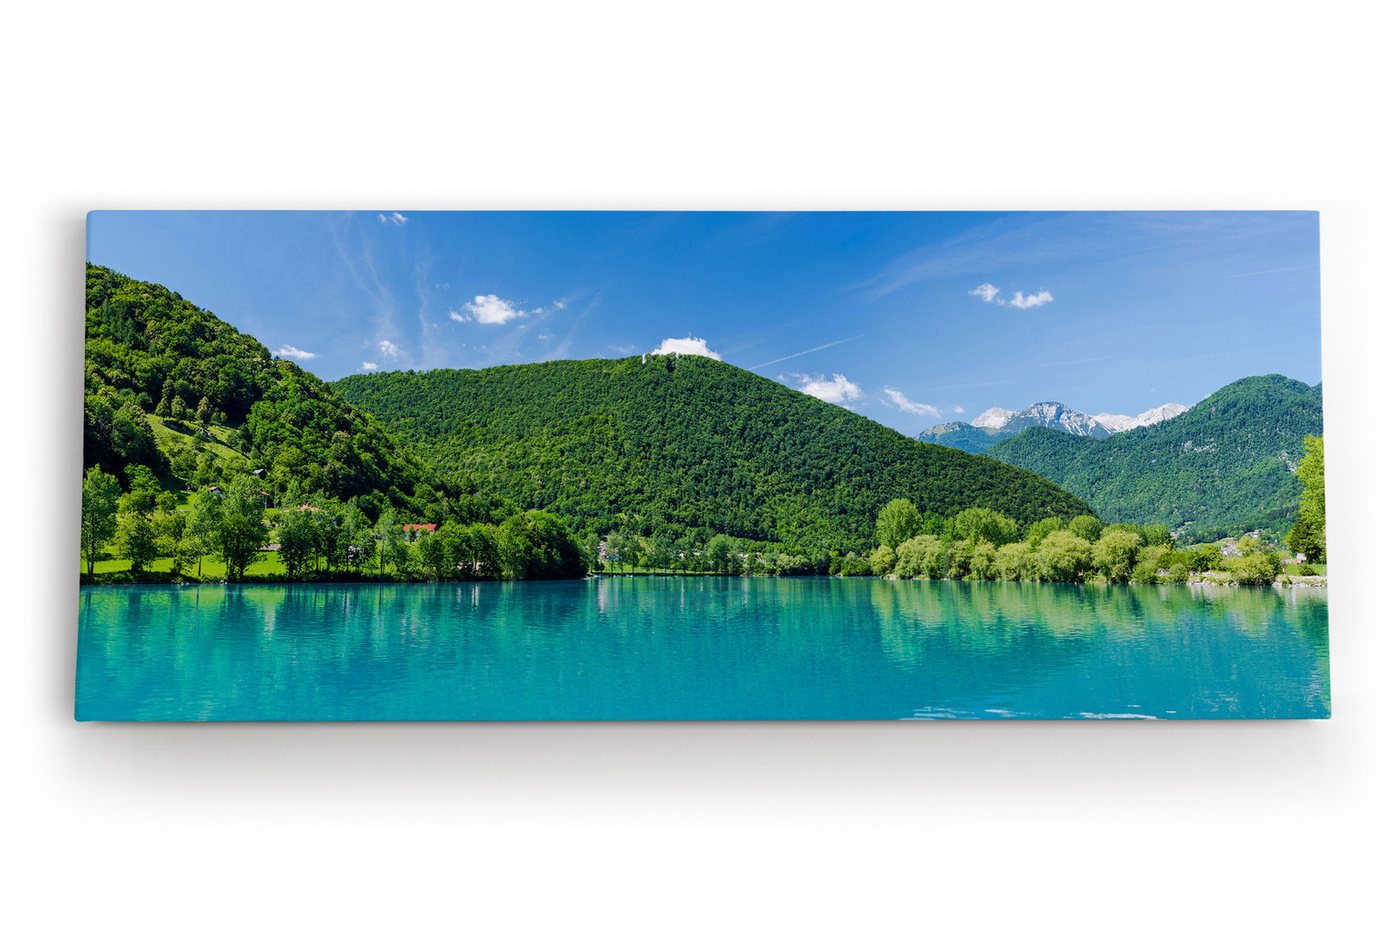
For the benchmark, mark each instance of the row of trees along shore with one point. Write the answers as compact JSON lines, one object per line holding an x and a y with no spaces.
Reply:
{"x":981,"y":544}
{"x":229,"y":532}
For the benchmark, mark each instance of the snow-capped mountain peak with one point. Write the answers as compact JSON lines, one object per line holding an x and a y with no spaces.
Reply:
{"x":1055,"y":415}
{"x":1117,"y":422}
{"x":993,"y":418}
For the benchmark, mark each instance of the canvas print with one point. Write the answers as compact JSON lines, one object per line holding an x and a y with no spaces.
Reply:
{"x":416,"y":465}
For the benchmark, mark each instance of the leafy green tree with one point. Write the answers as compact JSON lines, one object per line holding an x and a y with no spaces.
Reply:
{"x":432,"y":555}
{"x":955,"y":560}
{"x":101,"y":492}
{"x":897,"y":521}
{"x":1063,"y":557}
{"x":1259,"y":567}
{"x":299,"y":541}
{"x":1178,"y":573}
{"x":1207,"y":557}
{"x":722,"y":554}
{"x":1116,"y":553}
{"x":1016,"y":561}
{"x":982,"y":563}
{"x":188,"y":551}
{"x":1037,"y":531}
{"x":1086,"y":527}
{"x":136,"y":537}
{"x":388,"y":532}
{"x":477,"y":551}
{"x":357,"y":539}
{"x":917,"y":557}
{"x":142,"y":487}
{"x":882,"y":560}
{"x":1156,"y":534}
{"x":852,"y":565}
{"x":981,"y":525}
{"x":240,"y":531}
{"x":169,"y":526}
{"x":1309,"y":533}
{"x":199,"y":528}
{"x":1151,"y":561}
{"x":515,"y":547}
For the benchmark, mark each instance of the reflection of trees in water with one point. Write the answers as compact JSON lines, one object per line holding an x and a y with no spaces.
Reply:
{"x":653,"y":647}
{"x":1128,"y":641}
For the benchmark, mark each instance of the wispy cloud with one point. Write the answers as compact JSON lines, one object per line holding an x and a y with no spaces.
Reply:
{"x":394,"y":218}
{"x":836,"y":390}
{"x":901,"y":402}
{"x":389,"y":349}
{"x":989,"y":293}
{"x":1031,"y":301}
{"x":489,"y":310}
{"x":364,"y":274}
{"x":821,"y":347}
{"x":624,"y":350}
{"x":368,"y":366}
{"x":688,"y":345}
{"x":291,"y":351}
{"x":560,"y":305}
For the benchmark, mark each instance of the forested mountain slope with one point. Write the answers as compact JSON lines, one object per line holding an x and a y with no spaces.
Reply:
{"x":171,"y":386}
{"x":1224,"y":466}
{"x":683,"y":442}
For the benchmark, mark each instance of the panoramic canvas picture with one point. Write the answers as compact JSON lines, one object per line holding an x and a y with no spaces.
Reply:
{"x":401,"y":465}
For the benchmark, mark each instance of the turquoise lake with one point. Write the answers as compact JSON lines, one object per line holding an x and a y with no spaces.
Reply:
{"x":700,"y":648}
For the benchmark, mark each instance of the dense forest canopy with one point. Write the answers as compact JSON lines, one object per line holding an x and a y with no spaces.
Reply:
{"x":1224,"y":467}
{"x":170,"y":386}
{"x":672,"y":443}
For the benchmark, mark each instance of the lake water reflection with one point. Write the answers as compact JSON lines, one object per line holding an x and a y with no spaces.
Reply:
{"x":701,"y":648}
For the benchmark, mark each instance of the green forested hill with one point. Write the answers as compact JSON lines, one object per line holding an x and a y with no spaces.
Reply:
{"x":1225,"y":466}
{"x":678,"y":443}
{"x":172,"y":387}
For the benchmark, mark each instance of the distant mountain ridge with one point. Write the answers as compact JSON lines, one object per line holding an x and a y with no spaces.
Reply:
{"x":997,"y":424}
{"x":1225,"y":466}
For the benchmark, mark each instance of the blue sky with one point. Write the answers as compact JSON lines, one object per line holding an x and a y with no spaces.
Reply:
{"x":909,"y":318}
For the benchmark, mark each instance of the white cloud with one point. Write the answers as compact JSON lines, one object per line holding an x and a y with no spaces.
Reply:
{"x":368,"y":366}
{"x":393,"y":218}
{"x":986,"y":292}
{"x":1031,"y":301}
{"x":989,"y":293}
{"x":560,"y":304}
{"x":290,"y":351}
{"x":689,"y":345}
{"x":898,"y":400}
{"x":489,"y":310}
{"x":836,"y":390}
{"x":959,"y":410}
{"x":389,"y":349}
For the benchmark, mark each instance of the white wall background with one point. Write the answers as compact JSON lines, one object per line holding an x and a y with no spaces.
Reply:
{"x":695,"y":828}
